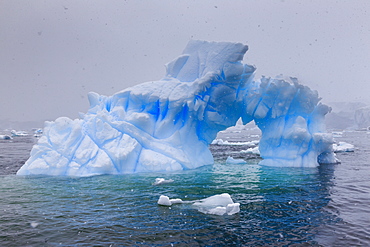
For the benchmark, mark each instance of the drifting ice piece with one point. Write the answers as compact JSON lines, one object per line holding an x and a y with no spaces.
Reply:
{"x":218,"y":204}
{"x":343,"y":147}
{"x":159,"y":181}
{"x":167,"y":125}
{"x":231,"y":160}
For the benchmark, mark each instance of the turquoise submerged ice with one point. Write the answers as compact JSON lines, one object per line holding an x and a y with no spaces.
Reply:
{"x":167,"y":125}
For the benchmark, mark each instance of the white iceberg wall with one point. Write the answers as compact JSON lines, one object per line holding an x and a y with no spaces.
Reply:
{"x":362,"y":118}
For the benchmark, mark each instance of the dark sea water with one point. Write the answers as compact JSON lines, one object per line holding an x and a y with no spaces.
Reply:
{"x":325,"y":206}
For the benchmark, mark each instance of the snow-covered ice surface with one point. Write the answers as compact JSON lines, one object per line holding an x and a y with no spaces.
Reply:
{"x":167,"y":125}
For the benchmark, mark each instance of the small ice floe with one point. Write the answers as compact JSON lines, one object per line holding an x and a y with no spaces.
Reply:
{"x":34,"y":224}
{"x":19,"y":133}
{"x":5,"y":137}
{"x":37,"y":133}
{"x":337,"y":134}
{"x":231,"y":160}
{"x":159,"y":181}
{"x":166,"y":201}
{"x":254,"y":150}
{"x":218,"y":204}
{"x":222,"y":142}
{"x":343,"y":147}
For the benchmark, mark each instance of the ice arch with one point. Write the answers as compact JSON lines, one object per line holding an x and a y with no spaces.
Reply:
{"x":168,"y":125}
{"x":292,"y":123}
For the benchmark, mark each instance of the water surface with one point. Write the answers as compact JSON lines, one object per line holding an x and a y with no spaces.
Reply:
{"x":326,"y":206}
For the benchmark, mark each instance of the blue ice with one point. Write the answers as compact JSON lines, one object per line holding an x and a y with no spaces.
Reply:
{"x":167,"y":125}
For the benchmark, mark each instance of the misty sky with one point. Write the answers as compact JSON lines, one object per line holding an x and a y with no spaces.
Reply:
{"x":52,"y":53}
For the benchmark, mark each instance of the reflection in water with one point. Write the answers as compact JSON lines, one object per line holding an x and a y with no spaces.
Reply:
{"x":349,"y":196}
{"x":281,"y":204}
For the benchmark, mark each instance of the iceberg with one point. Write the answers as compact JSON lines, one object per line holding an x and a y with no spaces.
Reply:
{"x":5,"y":137}
{"x":254,"y":151}
{"x":231,"y":160}
{"x":343,"y":147}
{"x":18,"y":133}
{"x":362,"y":118}
{"x":168,"y":125}
{"x":227,"y":143}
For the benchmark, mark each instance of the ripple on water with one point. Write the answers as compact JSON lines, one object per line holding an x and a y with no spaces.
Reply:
{"x":327,"y":206}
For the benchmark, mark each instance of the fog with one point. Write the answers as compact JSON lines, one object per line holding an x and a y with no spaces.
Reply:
{"x":54,"y":52}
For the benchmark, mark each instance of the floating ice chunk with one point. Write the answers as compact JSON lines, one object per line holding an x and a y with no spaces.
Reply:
{"x":218,"y":204}
{"x":159,"y":181}
{"x":19,"y":133}
{"x":337,"y":134}
{"x":254,"y":150}
{"x":166,"y":201}
{"x":5,"y":137}
{"x":231,"y":160}
{"x":343,"y":147}
{"x":34,"y":224}
{"x":227,"y":143}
